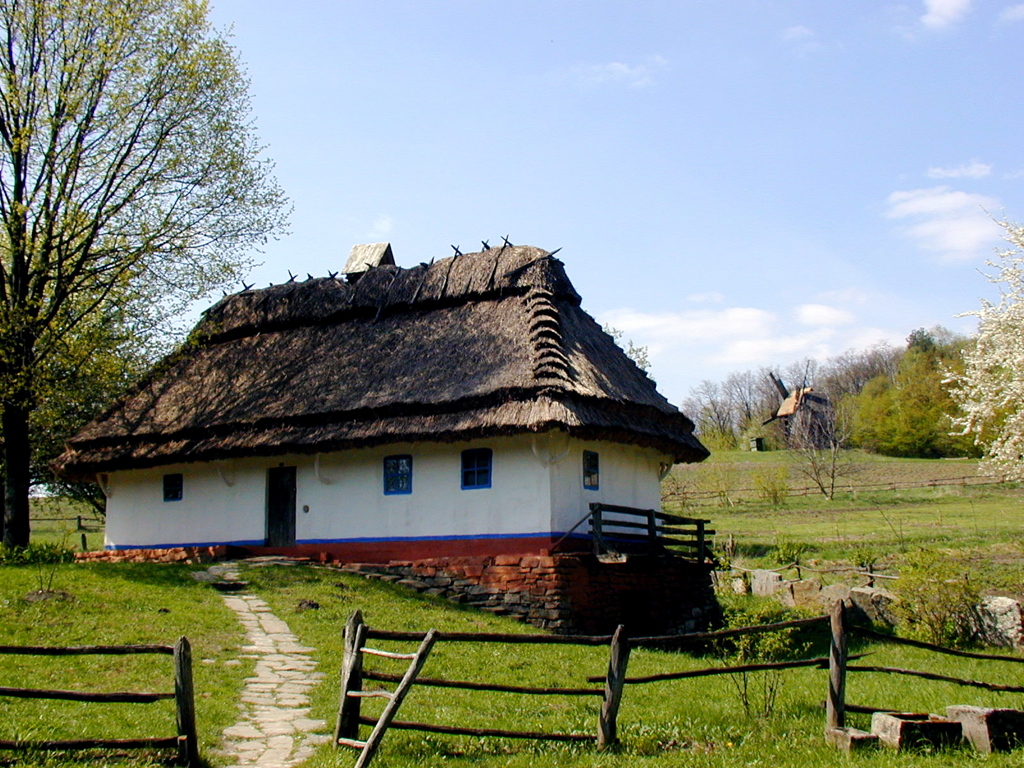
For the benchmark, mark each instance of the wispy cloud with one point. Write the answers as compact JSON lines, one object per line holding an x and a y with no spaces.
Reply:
{"x":1012,"y":13}
{"x":940,"y":14}
{"x":621,"y":73}
{"x":382,"y":226}
{"x":801,"y":39}
{"x":971,"y":170}
{"x":953,"y":224}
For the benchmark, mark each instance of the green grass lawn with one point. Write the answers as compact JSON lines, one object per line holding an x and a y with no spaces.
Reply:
{"x":682,"y":723}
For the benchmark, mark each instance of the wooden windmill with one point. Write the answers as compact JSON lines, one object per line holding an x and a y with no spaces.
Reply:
{"x":805,"y":414}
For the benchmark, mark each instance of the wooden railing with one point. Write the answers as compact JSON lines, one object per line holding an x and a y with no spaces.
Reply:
{"x":617,"y":530}
{"x":185,"y":742}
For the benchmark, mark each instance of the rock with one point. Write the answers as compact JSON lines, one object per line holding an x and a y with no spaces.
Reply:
{"x":833,"y":592}
{"x":873,"y":604}
{"x":1002,"y":621}
{"x":801,"y":594}
{"x":905,"y":730}
{"x":990,"y":730}
{"x":850,"y":739}
{"x":765,"y":583}
{"x":740,"y":586}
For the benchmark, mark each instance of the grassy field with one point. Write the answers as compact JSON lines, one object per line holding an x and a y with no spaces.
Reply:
{"x":683,"y":723}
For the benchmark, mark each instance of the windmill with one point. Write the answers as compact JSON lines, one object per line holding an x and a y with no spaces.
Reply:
{"x":806,"y":416}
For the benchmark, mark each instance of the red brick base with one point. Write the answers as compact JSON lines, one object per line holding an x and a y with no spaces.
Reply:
{"x":570,"y":593}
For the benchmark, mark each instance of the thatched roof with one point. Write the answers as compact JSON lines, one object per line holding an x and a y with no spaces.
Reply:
{"x":477,"y":345}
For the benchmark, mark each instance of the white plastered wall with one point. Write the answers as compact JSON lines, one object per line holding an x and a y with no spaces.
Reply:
{"x":339,"y":497}
{"x":629,"y":477}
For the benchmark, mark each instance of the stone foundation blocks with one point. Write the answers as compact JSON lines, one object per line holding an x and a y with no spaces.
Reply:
{"x":910,"y":730}
{"x":850,"y":739}
{"x":989,"y":730}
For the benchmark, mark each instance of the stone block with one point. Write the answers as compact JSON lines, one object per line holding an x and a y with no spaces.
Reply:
{"x":872,"y":604}
{"x":989,"y":730}
{"x":1002,"y":621}
{"x":911,"y":730}
{"x":803,"y":594}
{"x":850,"y":739}
{"x":765,"y":583}
{"x":507,"y":559}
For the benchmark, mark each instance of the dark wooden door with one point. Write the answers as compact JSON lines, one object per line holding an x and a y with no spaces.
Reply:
{"x":280,"y":506}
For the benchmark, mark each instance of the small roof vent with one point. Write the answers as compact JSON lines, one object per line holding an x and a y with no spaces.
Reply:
{"x":366,"y":257}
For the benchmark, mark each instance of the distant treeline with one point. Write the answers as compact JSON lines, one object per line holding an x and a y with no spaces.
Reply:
{"x":889,"y":400}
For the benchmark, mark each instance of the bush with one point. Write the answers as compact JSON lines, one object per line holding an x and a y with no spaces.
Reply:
{"x":940,"y":595}
{"x":36,"y":554}
{"x":758,"y":691}
{"x":772,"y":484}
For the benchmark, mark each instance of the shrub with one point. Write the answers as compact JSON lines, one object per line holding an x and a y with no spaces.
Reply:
{"x":772,"y":484}
{"x":758,"y":691}
{"x":36,"y":554}
{"x":940,"y":594}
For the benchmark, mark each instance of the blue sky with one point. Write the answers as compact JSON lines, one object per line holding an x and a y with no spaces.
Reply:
{"x":733,"y":183}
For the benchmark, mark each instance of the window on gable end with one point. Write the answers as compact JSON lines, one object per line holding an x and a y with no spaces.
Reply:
{"x":476,"y":468}
{"x":397,"y":475}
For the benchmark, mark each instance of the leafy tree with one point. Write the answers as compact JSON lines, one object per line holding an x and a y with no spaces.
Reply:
{"x":131,"y":184}
{"x":908,"y":414}
{"x":990,"y":390}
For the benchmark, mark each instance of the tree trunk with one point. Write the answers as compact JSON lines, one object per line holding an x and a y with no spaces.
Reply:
{"x":17,"y":449}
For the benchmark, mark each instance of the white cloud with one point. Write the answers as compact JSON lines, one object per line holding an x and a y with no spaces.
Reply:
{"x":619,"y":73}
{"x":711,"y":297}
{"x":382,"y":226}
{"x":953,"y":224}
{"x":972,"y":170}
{"x":801,"y":39}
{"x":940,"y":14}
{"x":688,"y":346}
{"x":797,"y":34}
{"x":1012,"y":13}
{"x":823,"y":315}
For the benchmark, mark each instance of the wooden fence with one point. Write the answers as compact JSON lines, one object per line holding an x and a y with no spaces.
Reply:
{"x":839,"y":667}
{"x":837,"y":664}
{"x":616,"y":529}
{"x":689,"y":496}
{"x":185,"y":742}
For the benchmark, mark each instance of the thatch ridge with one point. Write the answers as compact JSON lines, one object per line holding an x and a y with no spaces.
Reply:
{"x":474,"y":345}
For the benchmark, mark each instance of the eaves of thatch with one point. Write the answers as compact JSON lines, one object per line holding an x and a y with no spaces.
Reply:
{"x":476,"y":345}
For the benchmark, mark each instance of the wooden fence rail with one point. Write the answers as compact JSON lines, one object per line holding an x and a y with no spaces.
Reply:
{"x":837,"y":663}
{"x":185,"y":742}
{"x":839,"y":667}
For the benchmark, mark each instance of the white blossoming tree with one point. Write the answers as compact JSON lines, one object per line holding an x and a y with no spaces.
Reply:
{"x":991,"y":389}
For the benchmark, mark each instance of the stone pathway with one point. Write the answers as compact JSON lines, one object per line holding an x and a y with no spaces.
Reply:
{"x":275,"y":730}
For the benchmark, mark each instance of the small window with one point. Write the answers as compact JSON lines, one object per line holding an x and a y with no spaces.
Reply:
{"x":397,"y":475}
{"x":476,"y":468}
{"x":591,"y":471}
{"x":174,"y":485}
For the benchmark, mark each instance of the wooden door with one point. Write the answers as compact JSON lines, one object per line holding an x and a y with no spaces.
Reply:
{"x":281,"y":506}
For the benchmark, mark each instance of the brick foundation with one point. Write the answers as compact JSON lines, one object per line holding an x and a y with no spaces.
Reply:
{"x":571,"y":593}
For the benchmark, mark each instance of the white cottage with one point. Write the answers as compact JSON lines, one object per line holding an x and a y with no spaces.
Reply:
{"x":467,"y":407}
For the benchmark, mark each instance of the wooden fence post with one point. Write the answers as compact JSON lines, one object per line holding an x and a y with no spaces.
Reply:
{"x":835,"y":705}
{"x":184,"y":698}
{"x":347,"y":724}
{"x":613,"y":686}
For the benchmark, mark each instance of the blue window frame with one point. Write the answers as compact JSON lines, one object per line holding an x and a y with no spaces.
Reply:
{"x":591,"y":471}
{"x":476,"y":468}
{"x":174,"y":487}
{"x":397,"y":475}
